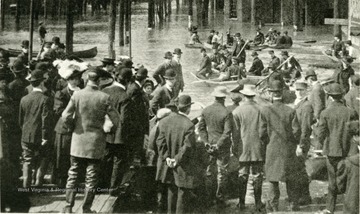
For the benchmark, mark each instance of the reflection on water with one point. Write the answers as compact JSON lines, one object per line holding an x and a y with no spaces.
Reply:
{"x":149,"y":46}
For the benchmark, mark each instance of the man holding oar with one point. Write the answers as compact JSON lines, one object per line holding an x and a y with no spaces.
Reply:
{"x":239,"y":48}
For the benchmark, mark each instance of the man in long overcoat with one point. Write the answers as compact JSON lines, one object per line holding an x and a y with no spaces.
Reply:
{"x":280,"y":131}
{"x":215,"y":128}
{"x":248,"y":146}
{"x":179,"y":83}
{"x":354,"y":93}
{"x":240,"y":45}
{"x":160,"y":71}
{"x":335,"y":138}
{"x":86,"y":112}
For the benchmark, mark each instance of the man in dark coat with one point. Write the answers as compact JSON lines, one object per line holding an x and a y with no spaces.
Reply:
{"x":4,"y":64}
{"x":24,"y":56}
{"x":337,"y":46}
{"x":274,"y":63}
{"x":215,"y":128}
{"x":344,"y":73}
{"x":116,"y":156}
{"x":86,"y":112}
{"x":179,"y":83}
{"x":160,"y":71}
{"x":35,"y":122}
{"x":287,"y":39}
{"x":238,"y":46}
{"x":353,"y":94}
{"x":164,"y":94}
{"x":257,"y":66}
{"x":317,"y":94}
{"x":135,"y":122}
{"x":335,"y":138}
{"x":259,"y":38}
{"x":248,"y":147}
{"x":351,"y":199}
{"x":280,"y":131}
{"x":205,"y":65}
{"x":42,"y":32}
{"x":176,"y":142}
{"x":292,"y":67}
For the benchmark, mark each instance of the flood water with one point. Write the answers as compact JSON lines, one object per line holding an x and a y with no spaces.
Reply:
{"x":149,"y":46}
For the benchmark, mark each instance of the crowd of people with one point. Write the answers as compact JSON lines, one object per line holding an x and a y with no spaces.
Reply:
{"x":99,"y":122}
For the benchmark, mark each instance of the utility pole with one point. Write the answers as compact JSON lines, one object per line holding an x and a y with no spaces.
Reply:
{"x":2,"y":15}
{"x":112,"y":23}
{"x":69,"y":26}
{"x":31,"y":29}
{"x":121,"y":22}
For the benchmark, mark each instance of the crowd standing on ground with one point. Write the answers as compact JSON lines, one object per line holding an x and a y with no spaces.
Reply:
{"x":96,"y":123}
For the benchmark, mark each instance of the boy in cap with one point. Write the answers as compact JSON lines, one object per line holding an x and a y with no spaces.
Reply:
{"x":337,"y":45}
{"x":334,"y":138}
{"x":42,"y":32}
{"x":160,"y":71}
{"x":343,"y":74}
{"x":257,"y":66}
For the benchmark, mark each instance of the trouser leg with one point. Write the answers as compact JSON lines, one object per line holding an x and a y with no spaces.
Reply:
{"x":331,"y":163}
{"x":161,"y":197}
{"x":210,"y":180}
{"x":222,"y":174}
{"x":28,"y":156}
{"x":119,"y":166}
{"x":257,"y":177}
{"x":243,"y":179}
{"x":182,"y":203}
{"x":77,"y":167}
{"x":172,"y":198}
{"x":274,"y":195}
{"x":91,"y":181}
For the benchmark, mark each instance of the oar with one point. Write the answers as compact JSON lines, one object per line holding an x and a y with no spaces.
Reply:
{"x":242,"y":49}
{"x":41,"y":49}
{"x":268,"y":76}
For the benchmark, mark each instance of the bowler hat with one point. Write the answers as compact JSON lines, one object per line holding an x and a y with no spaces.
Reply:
{"x":168,"y":55}
{"x":299,"y":85}
{"x":284,"y":53}
{"x":236,"y":97}
{"x":169,"y":74}
{"x":25,"y":44}
{"x":37,"y":75}
{"x":310,"y":73}
{"x":254,"y":53}
{"x":334,"y":89}
{"x":108,"y":61}
{"x":237,"y":34}
{"x":18,"y":66}
{"x":220,"y":91}
{"x":142,"y":72}
{"x":275,"y":86}
{"x":128,"y":63}
{"x":355,"y":79}
{"x":249,"y":90}
{"x":124,"y":73}
{"x":184,"y":100}
{"x":94,"y":73}
{"x":177,"y":51}
{"x":56,"y":40}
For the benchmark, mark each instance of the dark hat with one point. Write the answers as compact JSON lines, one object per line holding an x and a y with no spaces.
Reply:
{"x":184,"y":101}
{"x":47,"y":44}
{"x":236,"y":97}
{"x":128,"y":63}
{"x":310,"y":73}
{"x":237,"y":34}
{"x":41,"y":22}
{"x":254,"y":53}
{"x":271,"y":51}
{"x":43,"y":66}
{"x":301,"y":85}
{"x":149,"y":82}
{"x":61,"y":45}
{"x":56,"y":40}
{"x":168,"y":55}
{"x":142,"y":72}
{"x":108,"y":61}
{"x":284,"y":53}
{"x":334,"y":89}
{"x":347,"y":60}
{"x":37,"y":75}
{"x":275,"y":86}
{"x":169,"y":74}
{"x":212,"y":31}
{"x":355,"y":79}
{"x":338,"y":35}
{"x":18,"y":66}
{"x":177,"y":51}
{"x":124,"y":73}
{"x":25,"y":44}
{"x":94,"y":73}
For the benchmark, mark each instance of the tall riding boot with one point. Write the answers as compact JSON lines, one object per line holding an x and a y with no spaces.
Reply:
{"x":257,"y":184}
{"x":70,"y":200}
{"x":41,"y":173}
{"x":242,"y":192}
{"x":27,"y":175}
{"x":89,"y":196}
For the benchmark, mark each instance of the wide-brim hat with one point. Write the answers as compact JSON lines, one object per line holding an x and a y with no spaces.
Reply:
{"x":108,"y":61}
{"x":220,"y":91}
{"x":284,"y":53}
{"x":37,"y":75}
{"x":299,"y":85}
{"x":310,"y":73}
{"x":18,"y":66}
{"x":170,"y":74}
{"x":334,"y":89}
{"x":168,"y":55}
{"x":177,"y":51}
{"x":142,"y":72}
{"x":249,"y":90}
{"x":25,"y":44}
{"x":275,"y":86}
{"x":184,"y":101}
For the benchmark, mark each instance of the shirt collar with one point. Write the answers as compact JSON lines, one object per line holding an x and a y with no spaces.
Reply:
{"x":181,"y":113}
{"x":73,"y":88}
{"x":168,"y":87}
{"x":119,"y":85}
{"x":138,"y":83}
{"x":37,"y":89}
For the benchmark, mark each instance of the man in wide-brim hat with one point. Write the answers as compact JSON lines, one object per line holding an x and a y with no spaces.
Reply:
{"x":18,"y":85}
{"x":317,"y":96}
{"x":108,"y":64}
{"x":257,"y":66}
{"x":214,"y":129}
{"x":24,"y":55}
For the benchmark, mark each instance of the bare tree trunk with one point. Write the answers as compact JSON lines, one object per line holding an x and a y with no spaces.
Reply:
{"x":2,"y":15}
{"x":17,"y":15}
{"x":253,"y":12}
{"x":205,"y":12}
{"x":177,"y":5}
{"x":85,"y":7}
{"x":121,"y":22}
{"x":337,"y":28}
{"x":190,"y":8}
{"x":112,"y":23}
{"x":127,"y":21}
{"x":59,"y":9}
{"x":45,"y":9}
{"x":169,"y":7}
{"x":69,"y":26}
{"x":198,"y":11}
{"x":295,"y":13}
{"x":151,"y":14}
{"x":160,"y":6}
{"x":239,"y":9}
{"x":31,"y":29}
{"x":282,"y":12}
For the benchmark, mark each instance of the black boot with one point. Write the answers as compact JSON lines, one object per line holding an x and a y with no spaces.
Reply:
{"x":27,"y":175}
{"x":242,"y":192}
{"x":41,"y":173}
{"x":70,"y":200}
{"x":89,"y":196}
{"x":257,"y":184}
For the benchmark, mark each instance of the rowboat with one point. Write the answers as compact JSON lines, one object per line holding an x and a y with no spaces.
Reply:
{"x":334,"y":59}
{"x":90,"y":53}
{"x":198,"y":46}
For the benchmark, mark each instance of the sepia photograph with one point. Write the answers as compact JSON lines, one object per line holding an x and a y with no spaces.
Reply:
{"x":180,"y":106}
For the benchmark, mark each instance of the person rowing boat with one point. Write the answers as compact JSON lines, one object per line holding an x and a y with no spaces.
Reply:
{"x":194,"y":39}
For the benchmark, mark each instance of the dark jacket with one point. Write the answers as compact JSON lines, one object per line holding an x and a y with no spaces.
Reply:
{"x":24,"y":57}
{"x":342,"y":77}
{"x":234,"y":72}
{"x":17,"y":89}
{"x":338,"y":46}
{"x":176,"y":140}
{"x":35,"y":117}
{"x":288,"y":40}
{"x":160,"y":72}
{"x":205,"y":65}
{"x":280,"y":131}
{"x":246,"y":139}
{"x":351,"y":199}
{"x":292,"y":67}
{"x":62,"y":99}
{"x":305,"y":116}
{"x":215,"y":126}
{"x":351,"y":100}
{"x":237,"y":48}
{"x":275,"y":61}
{"x":162,"y":97}
{"x":259,"y":39}
{"x":333,"y":129}
{"x":256,"y":67}
{"x":317,"y":98}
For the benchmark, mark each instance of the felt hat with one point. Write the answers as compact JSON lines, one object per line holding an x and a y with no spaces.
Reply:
{"x":237,"y":34}
{"x":108,"y":61}
{"x":334,"y":89}
{"x":236,"y":97}
{"x":275,"y":86}
{"x":18,"y":66}
{"x":128,"y":63}
{"x":299,"y":85}
{"x":254,"y":53}
{"x":178,"y":51}
{"x":249,"y":90}
{"x":220,"y":91}
{"x":310,"y":73}
{"x":25,"y":44}
{"x":37,"y":75}
{"x":168,"y":55}
{"x":56,"y":40}
{"x":170,"y":74}
{"x":124,"y":73}
{"x":184,"y":100}
{"x":142,"y":72}
{"x":284,"y":53}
